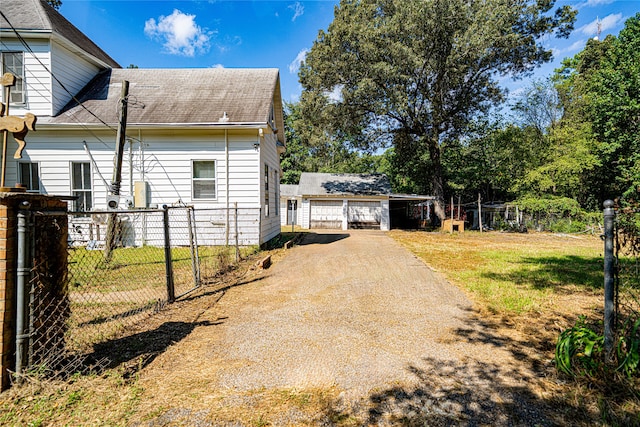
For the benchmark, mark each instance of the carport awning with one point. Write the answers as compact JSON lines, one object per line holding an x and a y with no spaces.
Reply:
{"x":411,"y":197}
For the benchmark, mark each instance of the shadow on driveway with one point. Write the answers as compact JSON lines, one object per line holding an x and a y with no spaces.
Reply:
{"x":321,"y":238}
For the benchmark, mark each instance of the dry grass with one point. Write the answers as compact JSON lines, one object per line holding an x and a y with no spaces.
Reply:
{"x":526,"y":287}
{"x":530,"y":287}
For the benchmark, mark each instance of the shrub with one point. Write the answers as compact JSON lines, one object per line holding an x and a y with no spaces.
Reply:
{"x":580,"y":351}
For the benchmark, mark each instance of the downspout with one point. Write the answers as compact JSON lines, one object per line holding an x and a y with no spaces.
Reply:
{"x":22,"y":279}
{"x":226,"y":163}
{"x":130,"y":168}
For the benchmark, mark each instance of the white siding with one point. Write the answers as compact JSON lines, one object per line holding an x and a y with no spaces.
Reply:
{"x":385,"y":221}
{"x":47,"y":70}
{"x":37,"y":76}
{"x":72,"y":72}
{"x":305,"y":213}
{"x":164,"y":161}
{"x":269,"y":155}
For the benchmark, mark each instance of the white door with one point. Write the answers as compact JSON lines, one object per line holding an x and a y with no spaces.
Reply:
{"x":326,"y":214}
{"x":364,"y":214}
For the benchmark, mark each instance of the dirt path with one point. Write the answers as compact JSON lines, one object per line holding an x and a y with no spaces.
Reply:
{"x":347,"y":328}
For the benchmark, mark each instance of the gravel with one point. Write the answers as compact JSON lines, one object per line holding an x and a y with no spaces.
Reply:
{"x":356,"y":312}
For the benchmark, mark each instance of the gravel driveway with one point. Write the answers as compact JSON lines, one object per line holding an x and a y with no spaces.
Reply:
{"x":356,"y":312}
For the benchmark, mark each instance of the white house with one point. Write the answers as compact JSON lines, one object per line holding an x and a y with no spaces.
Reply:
{"x":337,"y":201}
{"x":210,"y":138}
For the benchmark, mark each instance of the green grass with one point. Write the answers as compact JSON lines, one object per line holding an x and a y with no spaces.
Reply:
{"x":512,"y":274}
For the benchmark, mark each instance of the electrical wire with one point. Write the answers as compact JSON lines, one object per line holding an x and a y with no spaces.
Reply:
{"x":73,"y":97}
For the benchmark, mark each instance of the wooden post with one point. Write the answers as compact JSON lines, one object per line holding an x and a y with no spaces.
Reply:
{"x":8,"y":80}
{"x":452,"y":209}
{"x":112,"y":229}
{"x":480,"y":212}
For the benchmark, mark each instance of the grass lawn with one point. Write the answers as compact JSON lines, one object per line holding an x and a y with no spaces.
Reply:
{"x":530,"y":287}
{"x":513,"y":274}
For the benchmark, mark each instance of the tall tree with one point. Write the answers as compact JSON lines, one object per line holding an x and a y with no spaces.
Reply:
{"x":331,"y":155}
{"x":600,"y":88}
{"x":413,"y":73}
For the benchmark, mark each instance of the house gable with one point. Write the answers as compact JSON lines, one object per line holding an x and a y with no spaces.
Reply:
{"x":58,"y":58}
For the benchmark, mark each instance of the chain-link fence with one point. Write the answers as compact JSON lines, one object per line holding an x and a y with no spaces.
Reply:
{"x":627,"y":254}
{"x":116,"y":269}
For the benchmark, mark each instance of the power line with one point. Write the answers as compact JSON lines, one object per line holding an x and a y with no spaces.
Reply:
{"x":73,"y":97}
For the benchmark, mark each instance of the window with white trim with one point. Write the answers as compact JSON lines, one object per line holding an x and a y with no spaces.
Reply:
{"x":203,"y":179}
{"x":29,"y":176}
{"x":81,"y":186}
{"x":13,"y":62}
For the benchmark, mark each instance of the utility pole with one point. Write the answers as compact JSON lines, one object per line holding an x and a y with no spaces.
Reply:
{"x":116,"y":180}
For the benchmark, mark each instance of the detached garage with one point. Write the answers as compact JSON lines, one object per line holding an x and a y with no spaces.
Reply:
{"x":343,"y":201}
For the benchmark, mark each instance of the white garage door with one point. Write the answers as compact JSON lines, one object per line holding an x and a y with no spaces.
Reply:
{"x":364,"y":214}
{"x":326,"y":214}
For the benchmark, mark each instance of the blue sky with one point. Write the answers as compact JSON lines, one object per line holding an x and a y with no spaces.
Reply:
{"x":264,"y":33}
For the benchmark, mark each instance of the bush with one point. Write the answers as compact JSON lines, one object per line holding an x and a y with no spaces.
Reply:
{"x":580,"y":351}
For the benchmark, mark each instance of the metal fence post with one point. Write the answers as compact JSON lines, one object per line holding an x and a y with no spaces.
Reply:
{"x":22,"y":280}
{"x":168,"y":262}
{"x":609,"y":278}
{"x":235,"y":220}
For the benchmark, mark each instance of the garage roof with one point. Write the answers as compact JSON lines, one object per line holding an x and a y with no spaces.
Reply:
{"x":330,"y":184}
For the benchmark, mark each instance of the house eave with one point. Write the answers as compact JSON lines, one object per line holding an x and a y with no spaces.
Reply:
{"x":151,"y":126}
{"x":343,"y":196}
{"x":52,"y":36}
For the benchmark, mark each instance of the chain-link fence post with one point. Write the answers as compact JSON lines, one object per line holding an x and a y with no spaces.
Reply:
{"x":168,"y":262}
{"x":22,"y":307}
{"x":609,"y":278}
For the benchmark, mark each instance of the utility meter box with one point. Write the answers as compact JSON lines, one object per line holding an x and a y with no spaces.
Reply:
{"x":141,"y":194}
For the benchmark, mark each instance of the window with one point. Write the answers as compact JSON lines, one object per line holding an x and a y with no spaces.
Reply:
{"x":266,"y":190}
{"x":272,"y":117}
{"x":29,"y":177}
{"x":13,"y":62}
{"x":203,"y":179}
{"x":81,"y":186}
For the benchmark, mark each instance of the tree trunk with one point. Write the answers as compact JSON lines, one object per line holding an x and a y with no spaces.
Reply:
{"x":436,"y":178}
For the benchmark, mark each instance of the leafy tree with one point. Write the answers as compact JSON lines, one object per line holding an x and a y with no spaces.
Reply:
{"x":55,"y":3}
{"x":412,"y":73}
{"x":600,"y":88}
{"x":329,"y":156}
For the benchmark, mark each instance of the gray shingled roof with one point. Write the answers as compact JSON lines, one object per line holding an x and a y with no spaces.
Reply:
{"x":288,"y":190}
{"x":325,"y":184}
{"x":180,"y":97}
{"x":38,"y":15}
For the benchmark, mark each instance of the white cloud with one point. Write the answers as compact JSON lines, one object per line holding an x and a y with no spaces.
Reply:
{"x":217,"y":66}
{"x":593,"y":3}
{"x":294,"y":66}
{"x":574,"y":47}
{"x":336,"y":94}
{"x":179,"y":34}
{"x":298,"y":10}
{"x":606,"y":23}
